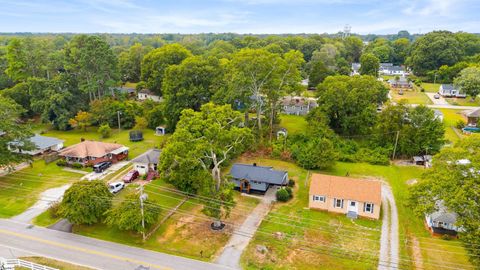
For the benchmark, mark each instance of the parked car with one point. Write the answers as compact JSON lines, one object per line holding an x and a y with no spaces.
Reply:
{"x":130,"y":176}
{"x":436,"y":96}
{"x":102,"y":166}
{"x":115,"y":187}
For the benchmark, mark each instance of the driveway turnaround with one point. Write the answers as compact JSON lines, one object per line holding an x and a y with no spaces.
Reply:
{"x":389,"y":250}
{"x":49,"y":195}
{"x":26,"y":239}
{"x":241,"y":236}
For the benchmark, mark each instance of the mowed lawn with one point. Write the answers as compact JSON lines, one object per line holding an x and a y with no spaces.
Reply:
{"x":450,"y":119}
{"x":463,"y":101}
{"x":333,"y":241}
{"x":293,"y":123}
{"x":411,"y":96}
{"x":72,"y":137}
{"x":186,"y":233}
{"x":430,"y":87}
{"x":20,"y":190}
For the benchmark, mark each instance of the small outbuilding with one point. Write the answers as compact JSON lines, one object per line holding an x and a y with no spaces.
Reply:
{"x":160,"y":131}
{"x":145,"y":94}
{"x":282,"y":132}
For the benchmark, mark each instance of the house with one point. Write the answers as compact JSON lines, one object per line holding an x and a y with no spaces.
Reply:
{"x":390,"y":69}
{"x":402,"y":82}
{"x":472,"y":117}
{"x":442,"y":221}
{"x":42,"y":144}
{"x":355,"y":69}
{"x":298,"y":105}
{"x":123,"y":90}
{"x":256,"y":178}
{"x":145,"y":94}
{"x":147,"y":161}
{"x":93,"y":152}
{"x":345,"y":195}
{"x":449,"y":90}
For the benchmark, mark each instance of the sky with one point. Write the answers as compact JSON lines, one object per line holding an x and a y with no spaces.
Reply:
{"x":239,"y":16}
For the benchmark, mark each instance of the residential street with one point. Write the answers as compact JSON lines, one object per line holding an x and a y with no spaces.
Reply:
{"x":20,"y":239}
{"x":389,"y":249}
{"x":239,"y":240}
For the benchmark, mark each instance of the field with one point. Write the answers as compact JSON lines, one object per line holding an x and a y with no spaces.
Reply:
{"x":293,"y":123}
{"x":21,"y":189}
{"x":333,"y":235}
{"x":411,"y":96}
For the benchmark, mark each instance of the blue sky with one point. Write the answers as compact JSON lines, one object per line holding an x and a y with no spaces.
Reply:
{"x":240,"y":16}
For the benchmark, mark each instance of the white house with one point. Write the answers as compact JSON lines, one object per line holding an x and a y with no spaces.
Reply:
{"x":147,"y":161}
{"x":449,"y":90}
{"x":390,"y":69}
{"x":147,"y":94}
{"x":442,"y":221}
{"x":41,"y":144}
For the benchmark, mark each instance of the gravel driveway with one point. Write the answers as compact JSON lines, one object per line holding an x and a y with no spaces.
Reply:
{"x":389,"y":250}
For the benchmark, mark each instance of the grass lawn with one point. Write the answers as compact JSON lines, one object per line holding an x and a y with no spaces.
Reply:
{"x":450,"y":119}
{"x":293,"y":123}
{"x":186,"y":233}
{"x":136,"y":148}
{"x":288,"y":254}
{"x":463,"y":101}
{"x":21,"y":189}
{"x":53,"y":263}
{"x":411,"y":96}
{"x":430,"y":87}
{"x":45,"y":219}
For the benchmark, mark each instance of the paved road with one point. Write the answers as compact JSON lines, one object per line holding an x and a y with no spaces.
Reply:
{"x":389,"y":248}
{"x":49,"y":195}
{"x":97,"y":254}
{"x":242,"y":235}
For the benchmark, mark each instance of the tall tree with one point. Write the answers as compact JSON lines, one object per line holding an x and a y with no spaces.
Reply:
{"x":353,"y":48}
{"x":201,"y":145}
{"x":12,"y":130}
{"x":157,"y":61}
{"x":469,"y":81}
{"x":130,"y":62}
{"x":91,"y":60}
{"x":370,"y":64}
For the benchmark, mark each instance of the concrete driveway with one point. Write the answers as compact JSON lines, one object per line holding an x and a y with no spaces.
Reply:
{"x":439,"y":101}
{"x":96,"y":176}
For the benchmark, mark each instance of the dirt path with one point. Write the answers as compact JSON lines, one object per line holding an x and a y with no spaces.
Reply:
{"x":241,"y":236}
{"x":389,"y":247}
{"x":417,"y":253}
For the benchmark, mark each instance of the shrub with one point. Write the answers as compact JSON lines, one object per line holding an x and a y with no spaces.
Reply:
{"x":105,"y":131}
{"x":290,"y":191}
{"x":53,"y":209}
{"x":283,"y":195}
{"x":61,"y":163}
{"x":77,"y":165}
{"x":460,"y":124}
{"x":422,"y":89}
{"x":291,"y":183}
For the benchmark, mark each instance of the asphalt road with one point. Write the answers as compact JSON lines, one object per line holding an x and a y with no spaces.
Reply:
{"x":20,"y":238}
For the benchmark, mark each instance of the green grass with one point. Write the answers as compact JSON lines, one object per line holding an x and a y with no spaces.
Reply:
{"x":463,"y":101}
{"x":293,"y":123}
{"x":450,"y":119}
{"x":430,"y":87}
{"x":45,"y":219}
{"x":20,"y":190}
{"x":287,"y":255}
{"x":411,"y":96}
{"x":72,"y":137}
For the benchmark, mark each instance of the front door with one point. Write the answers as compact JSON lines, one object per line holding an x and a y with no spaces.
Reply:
{"x":353,"y":206}
{"x":245,"y":186}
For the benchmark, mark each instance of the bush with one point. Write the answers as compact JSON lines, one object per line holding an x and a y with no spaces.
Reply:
{"x":61,"y":163}
{"x":77,"y":165}
{"x":53,"y":209}
{"x":422,"y":89}
{"x":283,"y":195}
{"x":460,"y":124}
{"x":291,"y":183}
{"x":105,"y":131}
{"x":290,"y":191}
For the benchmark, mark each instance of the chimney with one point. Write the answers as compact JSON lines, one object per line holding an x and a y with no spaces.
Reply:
{"x":254,"y":164}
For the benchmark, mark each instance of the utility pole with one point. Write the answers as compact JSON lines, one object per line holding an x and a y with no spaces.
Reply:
{"x":142,"y":198}
{"x":396,"y":142}
{"x":118,"y":117}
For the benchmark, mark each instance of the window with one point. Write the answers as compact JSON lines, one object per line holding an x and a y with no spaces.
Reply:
{"x":317,"y":198}
{"x":368,"y":207}
{"x":338,"y":203}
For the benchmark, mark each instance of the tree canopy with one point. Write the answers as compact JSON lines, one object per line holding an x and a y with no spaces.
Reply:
{"x":469,"y":81}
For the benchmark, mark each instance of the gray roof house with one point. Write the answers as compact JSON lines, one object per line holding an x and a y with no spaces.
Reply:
{"x":298,"y":105}
{"x":402,"y":82}
{"x":248,"y":177}
{"x":442,"y":221}
{"x":42,"y":144}
{"x":129,"y":91}
{"x":147,"y":161}
{"x":449,"y":90}
{"x":390,"y":69}
{"x":145,"y":94}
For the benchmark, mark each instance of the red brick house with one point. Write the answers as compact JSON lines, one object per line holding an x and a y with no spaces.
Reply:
{"x":93,"y":152}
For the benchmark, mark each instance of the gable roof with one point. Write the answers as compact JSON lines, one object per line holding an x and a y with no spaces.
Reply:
{"x":125,"y":90}
{"x":40,"y":142}
{"x":91,"y":149}
{"x":473,"y":113}
{"x":147,"y":92}
{"x":151,"y":156}
{"x":258,"y":173}
{"x":346,"y":188}
{"x":447,"y":87}
{"x":443,"y":215}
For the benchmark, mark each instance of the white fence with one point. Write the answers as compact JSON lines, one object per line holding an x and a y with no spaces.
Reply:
{"x":10,"y":264}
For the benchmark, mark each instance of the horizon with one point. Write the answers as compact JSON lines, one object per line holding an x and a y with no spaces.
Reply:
{"x":254,"y":17}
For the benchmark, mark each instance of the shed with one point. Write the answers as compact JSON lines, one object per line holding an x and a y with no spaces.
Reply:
{"x":419,"y":160}
{"x":160,"y":131}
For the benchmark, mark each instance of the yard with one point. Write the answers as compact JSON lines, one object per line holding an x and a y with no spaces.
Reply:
{"x":430,"y":87}
{"x":463,"y":101}
{"x":450,"y":119}
{"x":52,"y":263}
{"x":333,"y":241}
{"x":411,"y":96}
{"x":293,"y":123}
{"x":20,"y":190}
